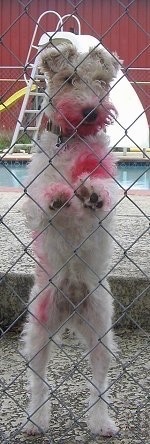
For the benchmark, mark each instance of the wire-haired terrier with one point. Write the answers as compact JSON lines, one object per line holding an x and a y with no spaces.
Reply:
{"x":71,"y":198}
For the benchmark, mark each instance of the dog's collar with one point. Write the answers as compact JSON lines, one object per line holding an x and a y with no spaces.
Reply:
{"x":61,"y":139}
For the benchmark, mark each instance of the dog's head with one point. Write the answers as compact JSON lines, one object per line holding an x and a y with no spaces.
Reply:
{"x":78,"y":87}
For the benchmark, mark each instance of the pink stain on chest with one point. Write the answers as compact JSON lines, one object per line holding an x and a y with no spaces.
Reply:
{"x":90,"y":164}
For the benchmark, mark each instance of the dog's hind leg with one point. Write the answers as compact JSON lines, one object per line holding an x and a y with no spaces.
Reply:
{"x":37,"y":339}
{"x":94,"y":325}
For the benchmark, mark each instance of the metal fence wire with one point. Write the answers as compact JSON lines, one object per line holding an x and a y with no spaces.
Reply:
{"x":60,"y":294}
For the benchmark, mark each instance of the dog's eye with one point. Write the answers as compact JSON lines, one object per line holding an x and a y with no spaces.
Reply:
{"x":101,"y":83}
{"x":69,"y":80}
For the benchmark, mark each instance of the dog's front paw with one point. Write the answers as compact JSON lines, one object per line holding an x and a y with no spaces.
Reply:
{"x":59,"y":202}
{"x":93,"y":198}
{"x":57,"y":196}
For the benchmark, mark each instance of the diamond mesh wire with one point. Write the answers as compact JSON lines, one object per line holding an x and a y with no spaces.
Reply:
{"x":69,"y":372}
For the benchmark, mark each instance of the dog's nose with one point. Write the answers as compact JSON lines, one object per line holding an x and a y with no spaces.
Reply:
{"x":90,"y":114}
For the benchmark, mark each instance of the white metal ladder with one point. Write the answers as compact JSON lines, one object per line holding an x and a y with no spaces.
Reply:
{"x":32,"y":127}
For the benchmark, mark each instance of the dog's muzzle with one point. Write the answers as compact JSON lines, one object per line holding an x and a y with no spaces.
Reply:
{"x":90,"y":114}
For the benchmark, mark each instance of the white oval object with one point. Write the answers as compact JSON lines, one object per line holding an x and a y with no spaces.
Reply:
{"x":131,"y":129}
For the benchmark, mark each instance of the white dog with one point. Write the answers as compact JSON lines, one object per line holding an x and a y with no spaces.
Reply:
{"x":71,"y":194}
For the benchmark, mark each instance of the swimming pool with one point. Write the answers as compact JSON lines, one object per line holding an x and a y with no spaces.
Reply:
{"x":134,"y":174}
{"x":129,"y":174}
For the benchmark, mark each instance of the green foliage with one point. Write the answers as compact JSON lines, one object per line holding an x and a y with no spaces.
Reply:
{"x":5,"y":141}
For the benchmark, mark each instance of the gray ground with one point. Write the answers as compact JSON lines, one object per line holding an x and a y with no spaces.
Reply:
{"x":129,"y":374}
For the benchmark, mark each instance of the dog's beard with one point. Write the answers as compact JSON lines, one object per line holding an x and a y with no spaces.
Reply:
{"x":69,"y":115}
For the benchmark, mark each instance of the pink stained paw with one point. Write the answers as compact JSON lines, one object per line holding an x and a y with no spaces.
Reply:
{"x":57,"y":196}
{"x":92,"y":198}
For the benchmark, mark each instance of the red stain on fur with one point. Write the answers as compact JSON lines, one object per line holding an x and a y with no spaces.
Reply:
{"x":70,"y":116}
{"x":90,"y":164}
{"x":56,"y":190}
{"x":43,"y":306}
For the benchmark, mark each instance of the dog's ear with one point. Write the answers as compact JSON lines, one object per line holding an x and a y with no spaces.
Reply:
{"x":109,"y":64}
{"x":54,"y":58}
{"x":117,"y":63}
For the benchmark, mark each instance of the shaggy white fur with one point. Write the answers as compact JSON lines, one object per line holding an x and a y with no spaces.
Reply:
{"x":71,"y":195}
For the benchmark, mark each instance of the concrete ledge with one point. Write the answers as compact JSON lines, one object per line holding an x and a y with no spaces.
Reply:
{"x":131,"y":293}
{"x":14,"y":294}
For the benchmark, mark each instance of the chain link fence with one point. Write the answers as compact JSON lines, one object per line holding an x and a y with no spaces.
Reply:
{"x":10,"y":84}
{"x":69,"y":374}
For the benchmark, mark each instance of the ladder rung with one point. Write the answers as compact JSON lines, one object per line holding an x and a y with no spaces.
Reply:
{"x":31,"y":111}
{"x":29,"y":128}
{"x":39,"y":76}
{"x":37,"y":94}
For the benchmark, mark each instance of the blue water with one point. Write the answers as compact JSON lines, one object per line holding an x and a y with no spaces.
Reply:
{"x":134,"y":175}
{"x":12,"y":173}
{"x":137,"y":176}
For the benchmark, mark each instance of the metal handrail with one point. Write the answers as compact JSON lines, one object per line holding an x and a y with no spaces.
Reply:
{"x":35,"y":32}
{"x":71,"y":16}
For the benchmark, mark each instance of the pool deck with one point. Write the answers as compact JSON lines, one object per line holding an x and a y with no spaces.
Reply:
{"x":134,"y":156}
{"x":16,"y":157}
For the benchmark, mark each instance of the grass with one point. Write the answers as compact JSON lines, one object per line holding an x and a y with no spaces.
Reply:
{"x":5,"y":141}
